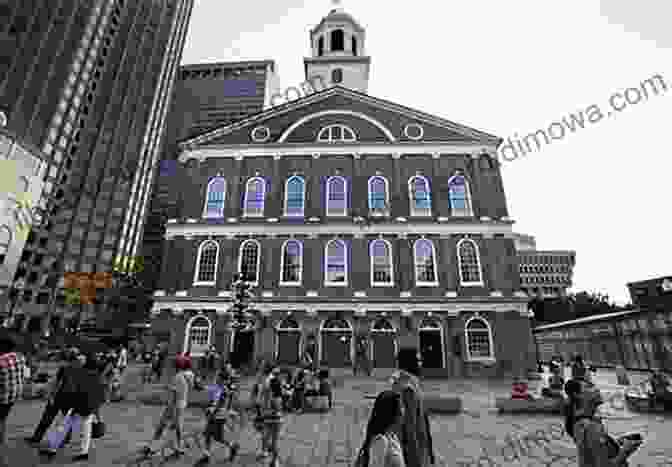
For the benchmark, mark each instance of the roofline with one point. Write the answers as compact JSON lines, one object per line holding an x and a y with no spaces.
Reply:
{"x":653,"y":279}
{"x":238,"y":64}
{"x":587,"y":319}
{"x":550,"y":252}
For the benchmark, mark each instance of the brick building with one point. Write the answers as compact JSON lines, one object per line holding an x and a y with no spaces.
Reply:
{"x":357,"y":220}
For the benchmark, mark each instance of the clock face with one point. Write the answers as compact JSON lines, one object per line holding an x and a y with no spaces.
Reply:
{"x":337,"y":75}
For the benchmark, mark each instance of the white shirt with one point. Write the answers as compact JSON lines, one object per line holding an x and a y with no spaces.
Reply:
{"x":123,"y":358}
{"x":385,"y":451}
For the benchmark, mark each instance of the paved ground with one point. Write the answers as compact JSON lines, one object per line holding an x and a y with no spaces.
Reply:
{"x":478,"y":437}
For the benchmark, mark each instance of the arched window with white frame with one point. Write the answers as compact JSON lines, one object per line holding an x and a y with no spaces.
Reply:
{"x":336,"y":133}
{"x":215,"y":198}
{"x":337,"y":196}
{"x":291,"y":269}
{"x":206,"y":263}
{"x":379,"y":196}
{"x":424,"y":257}
{"x":336,"y":263}
{"x":198,"y":333}
{"x":295,"y":196}
{"x":420,"y":196}
{"x":459,"y":196}
{"x":380,"y":257}
{"x":469,"y":263}
{"x":249,"y":261}
{"x":255,"y":197}
{"x":478,"y":338}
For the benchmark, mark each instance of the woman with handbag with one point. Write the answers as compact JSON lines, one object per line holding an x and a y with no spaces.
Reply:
{"x":381,"y":447}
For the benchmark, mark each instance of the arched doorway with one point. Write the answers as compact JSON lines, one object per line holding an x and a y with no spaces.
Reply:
{"x":383,"y":344}
{"x":198,"y":332}
{"x":242,"y":345}
{"x":336,"y":347}
{"x":288,"y":342}
{"x":431,"y":343}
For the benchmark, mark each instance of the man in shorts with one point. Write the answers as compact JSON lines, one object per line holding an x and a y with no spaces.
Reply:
{"x":178,"y":397}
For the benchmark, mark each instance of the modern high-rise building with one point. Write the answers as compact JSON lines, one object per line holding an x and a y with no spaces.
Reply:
{"x":206,"y":96}
{"x":88,"y":82}
{"x":544,"y":273}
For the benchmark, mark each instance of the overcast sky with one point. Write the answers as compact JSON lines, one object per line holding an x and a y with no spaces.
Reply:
{"x":510,"y":68}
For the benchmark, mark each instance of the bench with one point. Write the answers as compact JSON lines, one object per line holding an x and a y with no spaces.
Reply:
{"x":545,"y":405}
{"x":436,"y":404}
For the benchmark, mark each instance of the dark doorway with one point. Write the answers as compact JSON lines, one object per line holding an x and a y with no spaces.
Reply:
{"x":243,"y":349}
{"x":336,"y":349}
{"x":431,"y":349}
{"x":288,"y":347}
{"x":384,"y":355}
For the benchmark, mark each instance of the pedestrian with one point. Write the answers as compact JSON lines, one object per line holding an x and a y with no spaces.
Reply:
{"x":173,"y":413}
{"x":579,"y":368}
{"x":382,"y":447}
{"x":414,"y":431}
{"x":595,"y":447}
{"x":299,"y":390}
{"x":270,"y":402}
{"x":122,"y":359}
{"x":12,"y":376}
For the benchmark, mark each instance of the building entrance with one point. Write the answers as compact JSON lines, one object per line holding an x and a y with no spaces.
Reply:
{"x":288,"y":342}
{"x":383,"y":341}
{"x":336,"y":348}
{"x":243,"y":348}
{"x":431,"y":344}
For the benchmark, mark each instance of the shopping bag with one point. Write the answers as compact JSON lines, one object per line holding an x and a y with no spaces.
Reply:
{"x":55,"y":438}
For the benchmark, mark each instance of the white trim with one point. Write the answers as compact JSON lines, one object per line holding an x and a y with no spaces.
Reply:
{"x":391,"y":259}
{"x":328,"y":192}
{"x":232,"y":341}
{"x":325,"y":149}
{"x":282,"y":263}
{"x":187,"y":334}
{"x":303,"y":197}
{"x":255,"y":283}
{"x":467,"y":191}
{"x":387,"y":195}
{"x":322,"y":330}
{"x":263,"y":139}
{"x":310,"y":117}
{"x":328,"y":283}
{"x":415,"y":125}
{"x":247,"y":191}
{"x":201,"y":247}
{"x":419,"y":283}
{"x":334,"y":227}
{"x":469,"y":358}
{"x":207,"y":192}
{"x":435,"y":329}
{"x":411,"y":197}
{"x":478,"y":263}
{"x":329,"y":130}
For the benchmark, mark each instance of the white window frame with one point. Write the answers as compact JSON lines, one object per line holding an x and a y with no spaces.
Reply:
{"x":467,"y":191}
{"x":207,"y":193}
{"x":386,"y":210}
{"x":478,"y":262}
{"x":201,"y":247}
{"x":246,"y":212}
{"x":420,"y":283}
{"x":240,"y":259}
{"x":332,"y":212}
{"x":411,"y":197}
{"x":282,"y":263}
{"x":328,"y":130}
{"x":328,"y":283}
{"x":303,"y":197}
{"x":391,"y":258}
{"x":491,"y":357}
{"x":187,"y":335}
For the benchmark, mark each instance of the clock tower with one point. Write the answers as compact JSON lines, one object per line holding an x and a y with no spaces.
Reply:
{"x":338,"y":52}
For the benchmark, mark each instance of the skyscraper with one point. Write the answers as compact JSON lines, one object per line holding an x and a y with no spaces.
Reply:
{"x":88,"y":82}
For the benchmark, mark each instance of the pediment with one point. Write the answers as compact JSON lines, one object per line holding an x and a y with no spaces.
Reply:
{"x":372,"y":120}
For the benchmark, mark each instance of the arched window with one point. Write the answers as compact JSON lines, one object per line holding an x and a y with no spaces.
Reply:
{"x":425,"y":262}
{"x":336,"y":263}
{"x":336,"y":324}
{"x":354,"y":46}
{"x":379,"y":201}
{"x":292,"y":263}
{"x":380,"y":254}
{"x":382,"y":325}
{"x":337,"y":40}
{"x":295,"y":196}
{"x":469,"y":263}
{"x":206,"y":263}
{"x":249,"y":259}
{"x":337,"y":196}
{"x":288,"y":324}
{"x":215,"y":197}
{"x":320,"y":46}
{"x":255,"y":197}
{"x":420,"y":196}
{"x":337,"y":75}
{"x":459,"y":197}
{"x":336,"y":133}
{"x":199,"y":330}
{"x":478,"y":336}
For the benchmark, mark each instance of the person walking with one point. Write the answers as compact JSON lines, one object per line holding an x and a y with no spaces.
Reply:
{"x":270,"y":402}
{"x":381,"y":447}
{"x":122,"y":359}
{"x":12,"y":376}
{"x":579,"y":370}
{"x":173,"y":413}
{"x":414,"y":431}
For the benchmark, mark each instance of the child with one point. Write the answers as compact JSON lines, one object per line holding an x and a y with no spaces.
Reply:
{"x":173,"y":414}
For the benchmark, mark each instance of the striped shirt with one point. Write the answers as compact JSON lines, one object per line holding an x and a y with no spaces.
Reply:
{"x":12,"y":376}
